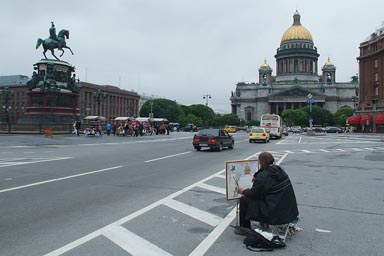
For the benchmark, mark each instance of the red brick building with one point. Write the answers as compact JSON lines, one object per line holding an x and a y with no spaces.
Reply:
{"x":370,"y":109}
{"x":105,"y":100}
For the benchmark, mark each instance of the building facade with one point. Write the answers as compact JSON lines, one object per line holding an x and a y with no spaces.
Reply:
{"x":105,"y":100}
{"x":370,"y":108}
{"x":296,"y":78}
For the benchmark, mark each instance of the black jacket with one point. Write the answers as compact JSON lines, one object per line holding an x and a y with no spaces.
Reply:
{"x":272,"y":199}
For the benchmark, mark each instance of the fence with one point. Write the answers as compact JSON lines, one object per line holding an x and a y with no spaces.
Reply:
{"x":41,"y":128}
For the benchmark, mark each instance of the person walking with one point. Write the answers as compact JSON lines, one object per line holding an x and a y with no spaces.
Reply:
{"x":108,"y":128}
{"x":78,"y":127}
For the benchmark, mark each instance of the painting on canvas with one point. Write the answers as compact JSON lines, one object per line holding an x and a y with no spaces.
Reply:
{"x":239,"y":173}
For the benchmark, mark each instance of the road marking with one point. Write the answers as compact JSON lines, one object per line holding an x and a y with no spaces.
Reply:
{"x":213,"y":188}
{"x":194,"y":212}
{"x":203,"y":247}
{"x":133,"y":244}
{"x":58,"y":179}
{"x":324,"y":150}
{"x":323,"y":230}
{"x":165,"y":157}
{"x":12,"y":161}
{"x":200,"y":250}
{"x":299,"y":139}
{"x":306,"y":151}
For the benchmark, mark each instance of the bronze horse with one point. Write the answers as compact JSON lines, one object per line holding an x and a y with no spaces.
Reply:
{"x":50,"y":44}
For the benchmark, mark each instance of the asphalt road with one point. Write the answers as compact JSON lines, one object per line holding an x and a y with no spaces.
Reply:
{"x":155,"y":195}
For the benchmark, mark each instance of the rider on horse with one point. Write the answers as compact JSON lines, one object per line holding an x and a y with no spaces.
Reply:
{"x":53,"y":36}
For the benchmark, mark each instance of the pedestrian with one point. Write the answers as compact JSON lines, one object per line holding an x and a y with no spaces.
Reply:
{"x":78,"y":127}
{"x":271,"y":199}
{"x":108,"y":128}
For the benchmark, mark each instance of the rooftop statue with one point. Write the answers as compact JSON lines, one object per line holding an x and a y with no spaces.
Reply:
{"x":54,"y":41}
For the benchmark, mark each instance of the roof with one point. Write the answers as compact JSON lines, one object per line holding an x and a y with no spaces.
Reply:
{"x":296,"y":31}
{"x":102,"y":118}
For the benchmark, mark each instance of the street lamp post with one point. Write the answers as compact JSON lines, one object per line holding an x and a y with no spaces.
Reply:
{"x":206,"y":97}
{"x":310,"y":100}
{"x":151,"y":114}
{"x":6,"y":96}
{"x":99,"y":96}
{"x":354,"y":99}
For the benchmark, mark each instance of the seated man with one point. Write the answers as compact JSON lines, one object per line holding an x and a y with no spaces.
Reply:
{"x":271,"y":199}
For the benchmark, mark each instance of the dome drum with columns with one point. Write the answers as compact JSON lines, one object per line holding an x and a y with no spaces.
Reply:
{"x":296,"y":77}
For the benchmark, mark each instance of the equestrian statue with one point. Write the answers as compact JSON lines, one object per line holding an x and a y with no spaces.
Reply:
{"x":54,"y":41}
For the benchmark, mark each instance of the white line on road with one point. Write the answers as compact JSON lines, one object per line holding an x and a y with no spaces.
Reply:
{"x":194,"y":212}
{"x":5,"y":164}
{"x":58,"y":179}
{"x":132,"y":243}
{"x":200,"y":250}
{"x":165,"y":157}
{"x":299,"y":139}
{"x":212,"y":188}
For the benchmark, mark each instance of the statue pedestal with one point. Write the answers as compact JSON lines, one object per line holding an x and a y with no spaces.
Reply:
{"x":53,"y":95}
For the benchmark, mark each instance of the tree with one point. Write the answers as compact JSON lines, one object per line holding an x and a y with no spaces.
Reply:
{"x":202,"y":111}
{"x":295,"y":117}
{"x":189,"y":119}
{"x":163,"y":108}
{"x":227,"y":119}
{"x":342,"y":114}
{"x":320,"y":116}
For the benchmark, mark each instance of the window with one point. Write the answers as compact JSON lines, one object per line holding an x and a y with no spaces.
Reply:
{"x":376,"y":63}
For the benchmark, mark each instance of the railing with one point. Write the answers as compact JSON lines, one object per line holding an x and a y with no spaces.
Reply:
{"x":43,"y":128}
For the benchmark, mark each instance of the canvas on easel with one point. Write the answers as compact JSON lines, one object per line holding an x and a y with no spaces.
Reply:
{"x":239,"y":173}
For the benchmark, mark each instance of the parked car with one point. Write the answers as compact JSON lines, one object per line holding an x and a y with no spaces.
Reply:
{"x":215,"y":139}
{"x":259,"y":134}
{"x":296,"y":129}
{"x":318,"y":129}
{"x":231,"y":129}
{"x":285,"y":131}
{"x":189,"y":128}
{"x":332,"y":129}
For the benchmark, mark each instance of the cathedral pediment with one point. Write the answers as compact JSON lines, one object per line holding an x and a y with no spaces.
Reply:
{"x":295,"y":94}
{"x":295,"y":91}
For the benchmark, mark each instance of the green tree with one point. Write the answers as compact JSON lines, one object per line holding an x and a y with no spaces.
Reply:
{"x":295,"y":117}
{"x":189,"y":119}
{"x":202,"y":111}
{"x":227,"y":119}
{"x":320,"y":116}
{"x":163,"y":108}
{"x":342,"y":114}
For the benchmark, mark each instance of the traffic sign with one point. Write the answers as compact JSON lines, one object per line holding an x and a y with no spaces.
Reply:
{"x":310,"y":100}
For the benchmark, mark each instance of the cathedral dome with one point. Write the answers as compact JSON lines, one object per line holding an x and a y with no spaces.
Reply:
{"x":296,"y":31}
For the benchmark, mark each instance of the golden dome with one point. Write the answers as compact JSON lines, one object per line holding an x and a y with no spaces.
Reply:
{"x":247,"y":169}
{"x":329,"y":62}
{"x":296,"y":31}
{"x":265,"y":64}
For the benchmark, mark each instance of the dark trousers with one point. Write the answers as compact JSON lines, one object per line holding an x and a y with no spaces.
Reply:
{"x":243,"y":207}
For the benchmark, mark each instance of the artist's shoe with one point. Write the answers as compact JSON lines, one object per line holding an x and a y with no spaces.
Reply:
{"x":242,"y":231}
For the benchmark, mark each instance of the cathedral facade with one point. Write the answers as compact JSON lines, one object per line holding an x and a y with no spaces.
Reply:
{"x":296,"y":80}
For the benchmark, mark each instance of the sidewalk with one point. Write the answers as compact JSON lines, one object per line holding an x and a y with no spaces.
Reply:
{"x":7,"y":140}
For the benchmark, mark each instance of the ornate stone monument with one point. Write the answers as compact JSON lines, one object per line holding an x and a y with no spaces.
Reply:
{"x":53,"y":89}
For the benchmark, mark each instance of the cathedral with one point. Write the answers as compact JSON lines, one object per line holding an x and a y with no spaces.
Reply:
{"x":295,"y":82}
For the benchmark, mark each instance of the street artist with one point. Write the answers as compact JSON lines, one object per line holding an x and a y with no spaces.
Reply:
{"x":271,"y":199}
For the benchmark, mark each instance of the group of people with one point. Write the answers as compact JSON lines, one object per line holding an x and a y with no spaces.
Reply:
{"x":135,"y":128}
{"x":270,"y":201}
{"x":129,"y":128}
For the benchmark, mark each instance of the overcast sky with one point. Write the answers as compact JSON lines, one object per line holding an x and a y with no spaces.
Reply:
{"x":182,"y":49}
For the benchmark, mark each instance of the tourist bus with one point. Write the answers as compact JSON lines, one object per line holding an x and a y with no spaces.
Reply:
{"x":272,"y":123}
